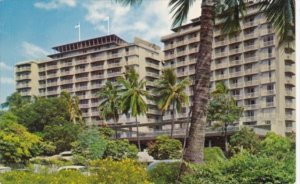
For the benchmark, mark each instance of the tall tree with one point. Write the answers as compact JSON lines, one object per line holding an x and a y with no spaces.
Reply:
{"x":223,"y":110}
{"x":72,"y":104}
{"x":133,"y":96}
{"x":171,"y":93}
{"x":282,"y":17}
{"x":14,"y":101}
{"x":110,"y":104}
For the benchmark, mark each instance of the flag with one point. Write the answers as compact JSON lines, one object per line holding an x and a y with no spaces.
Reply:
{"x":77,"y":26}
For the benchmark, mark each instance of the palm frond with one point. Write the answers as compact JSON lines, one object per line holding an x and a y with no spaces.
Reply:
{"x":180,"y":10}
{"x":129,"y":2}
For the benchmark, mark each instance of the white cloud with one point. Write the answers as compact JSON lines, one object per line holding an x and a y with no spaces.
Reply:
{"x":33,"y":51}
{"x":54,"y":4}
{"x":7,"y":80}
{"x":4,"y":66}
{"x":150,"y":21}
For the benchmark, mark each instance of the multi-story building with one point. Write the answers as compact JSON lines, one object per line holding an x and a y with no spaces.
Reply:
{"x":82,"y":68}
{"x":259,"y":73}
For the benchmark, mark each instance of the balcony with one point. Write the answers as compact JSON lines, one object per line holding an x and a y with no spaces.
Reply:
{"x":85,"y":114}
{"x":266,"y":31}
{"x":153,"y":65}
{"x":24,"y":69}
{"x":114,"y":55}
{"x":52,"y":84}
{"x":250,"y":71}
{"x":266,"y":55}
{"x":235,"y":62}
{"x":220,"y":43}
{"x":66,"y":64}
{"x":22,"y":77}
{"x":54,"y":92}
{"x":235,"y":51}
{"x":80,"y":70}
{"x":25,"y":85}
{"x":290,"y":129}
{"x":235,"y":74}
{"x":193,"y":50}
{"x":290,"y":69}
{"x":290,"y":93}
{"x":182,"y":73}
{"x":169,"y":56}
{"x":42,"y":77}
{"x":69,"y":90}
{"x":53,"y":75}
{"x":222,"y":76}
{"x":250,"y":35}
{"x":81,"y":61}
{"x":267,"y":79}
{"x":268,"y":92}
{"x":269,"y":104}
{"x":180,"y":43}
{"x":250,"y":118}
{"x":97,"y":76}
{"x":81,"y":79}
{"x":251,"y":82}
{"x":250,"y":24}
{"x":51,"y":67}
{"x":83,"y":97}
{"x":290,"y":117}
{"x":24,"y":93}
{"x":220,"y":65}
{"x":181,"y":63}
{"x":268,"y":43}
{"x":98,"y":58}
{"x":238,"y":97}
{"x":150,"y":83}
{"x":113,"y":65}
{"x":290,"y":105}
{"x":193,"y":61}
{"x":84,"y":106}
{"x":251,"y":59}
{"x":220,"y":54}
{"x":192,"y":40}
{"x":267,"y":68}
{"x":290,"y":81}
{"x":249,"y":47}
{"x":169,"y":46}
{"x":95,"y":113}
{"x":156,"y":75}
{"x":66,"y":72}
{"x":251,"y":95}
{"x":95,"y":104}
{"x":99,"y":67}
{"x":42,"y":69}
{"x":81,"y":88}
{"x":69,"y":81}
{"x":181,"y":53}
{"x":236,"y":85}
{"x":250,"y":106}
{"x":96,"y":86}
{"x":114,"y":74}
{"x":235,"y":39}
{"x":153,"y":111}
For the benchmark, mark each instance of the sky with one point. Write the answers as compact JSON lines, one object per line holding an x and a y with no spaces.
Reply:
{"x":30,"y":28}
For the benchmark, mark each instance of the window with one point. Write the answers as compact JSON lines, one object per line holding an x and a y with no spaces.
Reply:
{"x":269,"y":99}
{"x":270,"y":87}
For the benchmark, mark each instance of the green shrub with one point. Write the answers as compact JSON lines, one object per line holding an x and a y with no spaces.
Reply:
{"x":213,"y":154}
{"x":125,"y":171}
{"x":244,"y":168}
{"x":120,"y":149}
{"x":165,"y":173}
{"x":67,"y":177}
{"x":165,"y":148}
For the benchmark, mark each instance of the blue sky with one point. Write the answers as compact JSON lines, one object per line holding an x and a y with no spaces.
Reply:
{"x":30,"y":28}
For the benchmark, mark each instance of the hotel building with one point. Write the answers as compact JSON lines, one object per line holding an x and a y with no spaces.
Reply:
{"x":83,"y":67}
{"x":259,"y":73}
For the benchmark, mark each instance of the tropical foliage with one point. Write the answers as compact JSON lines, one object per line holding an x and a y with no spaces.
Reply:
{"x":133,"y":94}
{"x":223,"y":110}
{"x":164,"y":148}
{"x":171,"y":93}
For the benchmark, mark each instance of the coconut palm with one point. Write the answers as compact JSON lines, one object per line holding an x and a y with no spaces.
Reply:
{"x":110,"y":103}
{"x":281,"y":13}
{"x":132,"y":96}
{"x":223,"y":110}
{"x":171,"y":93}
{"x":72,"y":103}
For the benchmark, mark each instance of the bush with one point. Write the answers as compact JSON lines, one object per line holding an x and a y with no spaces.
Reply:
{"x":213,"y":154}
{"x":165,"y":148}
{"x":44,"y":178}
{"x":165,"y":173}
{"x":120,"y":149}
{"x":125,"y":171}
{"x":244,"y":168}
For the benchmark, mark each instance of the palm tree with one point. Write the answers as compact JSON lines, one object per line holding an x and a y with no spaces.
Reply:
{"x":72,"y":103}
{"x":223,"y":110}
{"x":171,"y":92}
{"x":281,"y":13}
{"x":110,"y":104}
{"x":132,"y":97}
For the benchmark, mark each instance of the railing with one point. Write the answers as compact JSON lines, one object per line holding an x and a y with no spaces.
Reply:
{"x":251,"y":82}
{"x":235,"y":51}
{"x":111,"y":65}
{"x":251,"y":106}
{"x":220,"y":54}
{"x":235,"y":62}
{"x":236,"y":85}
{"x":220,"y":43}
{"x":235,"y":74}
{"x":268,"y":92}
{"x":66,"y":72}
{"x":235,"y":39}
{"x":51,"y":75}
{"x":22,"y":77}
{"x":51,"y":67}
{"x":289,"y":69}
{"x":79,"y":88}
{"x":23,"y":85}
{"x":114,"y":74}
{"x":180,"y":74}
{"x":97,"y":76}
{"x":22,"y":69}
{"x":268,"y":43}
{"x":96,"y":86}
{"x":250,"y":95}
{"x":83,"y":106}
{"x":152,"y":65}
{"x":250,"y":35}
{"x":81,"y":61}
{"x":221,"y":76}
{"x":64,"y":64}
{"x":249,"y":47}
{"x":98,"y":58}
{"x":250,"y":59}
{"x":290,"y":105}
{"x":52,"y":92}
{"x":82,"y":79}
{"x":80,"y":70}
{"x":152,"y":74}
{"x":99,"y":67}
{"x":52,"y":84}
{"x":66,"y":81}
{"x":250,"y":24}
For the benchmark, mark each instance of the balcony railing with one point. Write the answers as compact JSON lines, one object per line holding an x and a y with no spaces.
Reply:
{"x":97,"y":76}
{"x":182,"y":73}
{"x":114,"y":74}
{"x":80,"y":88}
{"x":250,"y":95}
{"x":251,"y":82}
{"x":51,"y":67}
{"x":250,"y":24}
{"x":112,"y":65}
{"x":152,"y":74}
{"x":98,"y":58}
{"x":220,"y":54}
{"x":251,"y":59}
{"x":80,"y":79}
{"x":249,"y":47}
{"x":251,"y":106}
{"x":52,"y":92}
{"x":52,"y":84}
{"x":99,"y":67}
{"x":236,"y":85}
{"x":81,"y":61}
{"x":96,"y":86}
{"x":51,"y":75}
{"x":21,"y":77}
{"x":268,"y":43}
{"x":66,"y":81}
{"x":235,"y":62}
{"x":20,"y":85}
{"x":84,"y":106}
{"x":268,"y":92}
{"x":23,"y":69}
{"x":235,"y":74}
{"x":80,"y":70}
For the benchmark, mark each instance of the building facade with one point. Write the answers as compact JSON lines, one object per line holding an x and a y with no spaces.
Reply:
{"x":259,"y":73}
{"x":82,"y":68}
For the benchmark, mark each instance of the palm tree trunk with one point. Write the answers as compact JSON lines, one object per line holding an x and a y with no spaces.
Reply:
{"x":173,"y":119}
{"x":137,"y":134}
{"x":115,"y":127}
{"x":196,"y":140}
{"x":225,"y":139}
